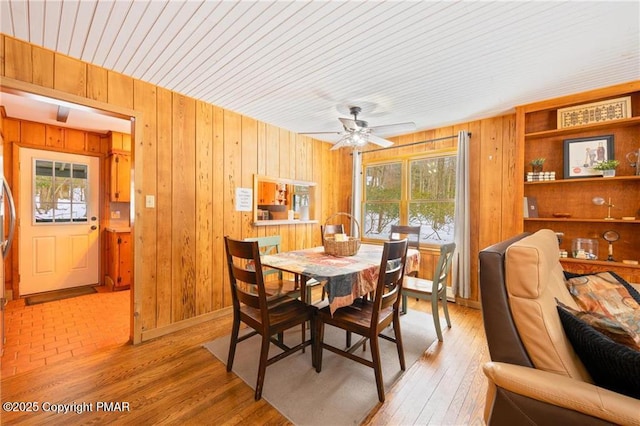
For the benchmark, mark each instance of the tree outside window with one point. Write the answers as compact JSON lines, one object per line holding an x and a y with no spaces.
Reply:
{"x":428,"y":201}
{"x":60,"y":192}
{"x":383,"y":194}
{"x":432,"y":198}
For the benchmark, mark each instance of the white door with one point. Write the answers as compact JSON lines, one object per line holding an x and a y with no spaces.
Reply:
{"x":59,"y":235}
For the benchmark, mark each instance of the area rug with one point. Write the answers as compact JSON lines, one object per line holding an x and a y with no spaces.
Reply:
{"x":344,"y":392}
{"x":52,"y":296}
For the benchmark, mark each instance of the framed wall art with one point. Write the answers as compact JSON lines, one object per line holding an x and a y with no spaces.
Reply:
{"x":596,"y":112}
{"x":582,"y":154}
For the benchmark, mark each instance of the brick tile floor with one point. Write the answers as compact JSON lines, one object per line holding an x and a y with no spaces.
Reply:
{"x":42,"y":334}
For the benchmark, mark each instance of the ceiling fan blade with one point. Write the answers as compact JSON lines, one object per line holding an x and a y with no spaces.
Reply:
{"x":395,"y":128}
{"x":342,"y":142}
{"x":349,"y":123}
{"x":319,"y":133}
{"x":379,"y":141}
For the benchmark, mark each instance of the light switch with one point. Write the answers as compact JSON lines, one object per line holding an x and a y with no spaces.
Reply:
{"x":150,"y":202}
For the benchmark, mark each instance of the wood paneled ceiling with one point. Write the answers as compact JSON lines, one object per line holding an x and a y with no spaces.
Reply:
{"x":300,"y":64}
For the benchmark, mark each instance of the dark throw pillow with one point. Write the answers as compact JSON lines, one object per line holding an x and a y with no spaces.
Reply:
{"x":611,"y":365}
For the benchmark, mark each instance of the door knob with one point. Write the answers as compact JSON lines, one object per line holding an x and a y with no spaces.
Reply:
{"x":94,"y":227}
{"x":94,"y":218}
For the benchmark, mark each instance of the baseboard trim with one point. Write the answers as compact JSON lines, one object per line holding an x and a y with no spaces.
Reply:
{"x":171,"y":328}
{"x":474,"y":304}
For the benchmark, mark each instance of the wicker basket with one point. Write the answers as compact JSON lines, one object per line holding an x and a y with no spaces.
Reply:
{"x":342,"y":248}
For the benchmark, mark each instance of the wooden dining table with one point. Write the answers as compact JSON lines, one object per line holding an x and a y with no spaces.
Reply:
{"x":345,"y":278}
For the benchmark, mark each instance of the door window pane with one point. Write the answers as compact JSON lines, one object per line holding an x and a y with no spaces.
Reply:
{"x":60,"y":192}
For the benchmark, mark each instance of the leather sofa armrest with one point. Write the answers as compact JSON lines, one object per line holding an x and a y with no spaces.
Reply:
{"x":564,"y":392}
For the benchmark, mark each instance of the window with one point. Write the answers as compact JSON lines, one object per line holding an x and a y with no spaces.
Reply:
{"x":414,"y":191}
{"x":60,"y":192}
{"x":383,"y":195}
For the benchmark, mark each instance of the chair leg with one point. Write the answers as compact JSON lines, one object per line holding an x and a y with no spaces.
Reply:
{"x":262,"y":367}
{"x":304,"y":333}
{"x":443,"y":299}
{"x":377,"y":368}
{"x":235,"y":329}
{"x":404,"y":304}
{"x":314,"y":341}
{"x":436,"y":314}
{"x":399,"y":345}
{"x":318,"y":344}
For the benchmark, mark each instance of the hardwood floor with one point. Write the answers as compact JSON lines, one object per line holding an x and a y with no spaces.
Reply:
{"x":173,"y":380}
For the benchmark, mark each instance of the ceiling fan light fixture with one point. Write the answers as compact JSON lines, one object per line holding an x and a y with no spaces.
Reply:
{"x":358,"y":138}
{"x":358,"y":133}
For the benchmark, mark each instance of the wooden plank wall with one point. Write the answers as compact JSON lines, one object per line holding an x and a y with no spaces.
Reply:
{"x":193,"y":156}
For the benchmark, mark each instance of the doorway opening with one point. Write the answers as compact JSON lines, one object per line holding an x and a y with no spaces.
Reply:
{"x":97,"y":320}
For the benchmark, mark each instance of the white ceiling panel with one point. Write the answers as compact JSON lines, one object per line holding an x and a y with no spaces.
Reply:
{"x":113,"y":27}
{"x":125,"y":33}
{"x":94,"y":35}
{"x":52,"y":28}
{"x":19,"y":14}
{"x":81,"y":26}
{"x":301,"y":64}
{"x":68,"y":18}
{"x":36,"y":19}
{"x":180,"y":46}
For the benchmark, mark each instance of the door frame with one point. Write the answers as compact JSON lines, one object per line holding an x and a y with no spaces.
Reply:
{"x":31,"y":90}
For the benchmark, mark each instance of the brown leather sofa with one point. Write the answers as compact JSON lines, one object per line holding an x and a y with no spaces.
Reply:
{"x":534,"y":375}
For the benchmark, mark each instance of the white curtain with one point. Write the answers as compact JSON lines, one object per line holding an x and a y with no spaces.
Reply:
{"x":461,"y":272}
{"x":356,"y":189}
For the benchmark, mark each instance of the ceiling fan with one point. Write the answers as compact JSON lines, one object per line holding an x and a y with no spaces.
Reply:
{"x":357,"y":132}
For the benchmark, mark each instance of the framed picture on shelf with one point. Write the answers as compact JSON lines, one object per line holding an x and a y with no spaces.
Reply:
{"x":582,"y":154}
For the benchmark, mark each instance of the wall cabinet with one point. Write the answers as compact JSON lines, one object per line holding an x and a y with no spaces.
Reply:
{"x":120,"y":181}
{"x":118,"y":248}
{"x":566,"y":204}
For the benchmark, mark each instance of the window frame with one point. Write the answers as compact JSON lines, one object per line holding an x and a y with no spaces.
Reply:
{"x":405,"y":189}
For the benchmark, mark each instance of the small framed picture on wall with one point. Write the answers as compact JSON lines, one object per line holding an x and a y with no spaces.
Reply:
{"x":581,"y":155}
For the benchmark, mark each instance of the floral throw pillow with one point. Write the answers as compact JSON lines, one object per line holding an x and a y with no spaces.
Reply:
{"x":605,"y":301}
{"x":607,"y":326}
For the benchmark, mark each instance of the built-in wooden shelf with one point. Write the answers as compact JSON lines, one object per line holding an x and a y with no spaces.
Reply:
{"x":606,"y":263}
{"x":633,"y":121}
{"x":574,"y":196}
{"x":599,"y":179}
{"x":577,"y":219}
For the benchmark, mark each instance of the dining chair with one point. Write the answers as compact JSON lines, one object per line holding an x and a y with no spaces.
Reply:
{"x":274,"y":282}
{"x":434,"y":290}
{"x":368,"y":318}
{"x":411,"y":233}
{"x":268,"y":319}
{"x":330,"y":229}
